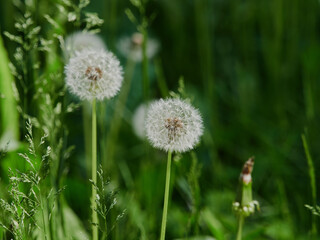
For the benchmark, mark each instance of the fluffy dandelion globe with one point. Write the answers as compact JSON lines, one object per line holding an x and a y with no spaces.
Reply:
{"x":94,"y":74}
{"x":82,"y":40}
{"x":131,"y":47}
{"x":173,"y":125}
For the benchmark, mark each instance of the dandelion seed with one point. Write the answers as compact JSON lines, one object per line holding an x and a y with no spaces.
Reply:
{"x":173,"y":125}
{"x":94,"y":74}
{"x":131,"y":47}
{"x":79,"y":41}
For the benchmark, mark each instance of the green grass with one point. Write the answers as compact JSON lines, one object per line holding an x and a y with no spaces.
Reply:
{"x":251,"y":67}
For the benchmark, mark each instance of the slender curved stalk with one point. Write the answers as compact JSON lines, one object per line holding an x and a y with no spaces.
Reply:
{"x":42,"y":214}
{"x":145,"y":76}
{"x":94,"y":172}
{"x":118,"y":114}
{"x":312,"y":176}
{"x":240,"y":226}
{"x":166,"y":198}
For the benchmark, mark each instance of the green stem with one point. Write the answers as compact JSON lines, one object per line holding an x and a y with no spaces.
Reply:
{"x":119,"y":114}
{"x":312,"y":176}
{"x":160,"y":77}
{"x":166,"y":198}
{"x":94,"y":172}
{"x":145,"y":66}
{"x":42,"y":213}
{"x":240,"y":226}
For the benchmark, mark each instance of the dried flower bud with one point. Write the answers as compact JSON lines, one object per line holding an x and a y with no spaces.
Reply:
{"x":245,"y":175}
{"x":245,"y":205}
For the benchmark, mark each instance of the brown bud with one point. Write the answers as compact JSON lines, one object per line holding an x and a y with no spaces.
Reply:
{"x":245,"y":175}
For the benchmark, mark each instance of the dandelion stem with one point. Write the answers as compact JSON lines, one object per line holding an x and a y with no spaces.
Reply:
{"x":240,"y":226}
{"x":94,"y":172}
{"x":166,"y":198}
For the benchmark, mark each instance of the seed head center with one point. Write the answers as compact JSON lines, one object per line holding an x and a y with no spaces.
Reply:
{"x":174,"y":126}
{"x":94,"y":73}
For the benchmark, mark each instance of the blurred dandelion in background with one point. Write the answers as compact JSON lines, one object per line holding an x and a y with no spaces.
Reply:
{"x":139,"y":120}
{"x":79,"y":41}
{"x":94,"y":74}
{"x":131,"y":47}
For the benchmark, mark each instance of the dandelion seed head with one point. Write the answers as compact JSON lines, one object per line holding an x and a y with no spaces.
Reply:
{"x":94,"y":74}
{"x":131,"y":47}
{"x":79,"y":41}
{"x":173,"y":125}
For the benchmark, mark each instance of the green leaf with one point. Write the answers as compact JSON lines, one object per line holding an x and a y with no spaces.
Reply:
{"x":131,"y":17}
{"x":73,"y":224}
{"x":213,"y":224}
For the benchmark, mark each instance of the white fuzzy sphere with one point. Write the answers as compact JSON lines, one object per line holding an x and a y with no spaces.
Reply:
{"x":173,"y":125}
{"x":79,"y":41}
{"x":94,"y":74}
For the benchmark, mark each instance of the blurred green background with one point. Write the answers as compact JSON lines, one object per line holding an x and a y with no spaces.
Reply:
{"x":251,"y":67}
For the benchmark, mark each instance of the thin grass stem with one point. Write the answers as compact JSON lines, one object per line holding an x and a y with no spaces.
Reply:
{"x":312,"y":182}
{"x":145,"y":78}
{"x":119,"y":112}
{"x":42,"y":214}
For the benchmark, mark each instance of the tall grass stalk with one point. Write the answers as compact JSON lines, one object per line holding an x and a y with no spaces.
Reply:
{"x":145,"y":66}
{"x":94,"y":172}
{"x":161,"y":78}
{"x":110,"y":17}
{"x":166,"y":198}
{"x":312,"y":176}
{"x":119,"y":112}
{"x":202,"y":13}
{"x":43,"y":215}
